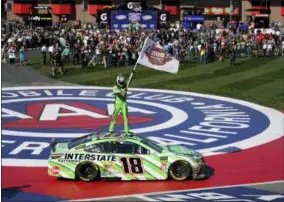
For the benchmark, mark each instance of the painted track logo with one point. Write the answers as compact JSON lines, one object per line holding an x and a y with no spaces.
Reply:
{"x":31,"y":116}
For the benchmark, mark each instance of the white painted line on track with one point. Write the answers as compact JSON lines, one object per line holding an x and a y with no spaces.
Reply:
{"x":142,"y":196}
{"x":145,"y":198}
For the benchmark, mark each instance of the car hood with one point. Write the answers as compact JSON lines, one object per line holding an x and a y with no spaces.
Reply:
{"x":62,"y":146}
{"x":180,"y":150}
{"x":59,"y":146}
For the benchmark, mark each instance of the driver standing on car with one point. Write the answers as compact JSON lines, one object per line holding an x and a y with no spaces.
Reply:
{"x":120,"y":105}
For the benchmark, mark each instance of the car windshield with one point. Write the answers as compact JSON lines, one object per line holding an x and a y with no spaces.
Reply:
{"x":80,"y":140}
{"x":151,"y":144}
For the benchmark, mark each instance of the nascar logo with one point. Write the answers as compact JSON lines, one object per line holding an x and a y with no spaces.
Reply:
{"x":31,"y":116}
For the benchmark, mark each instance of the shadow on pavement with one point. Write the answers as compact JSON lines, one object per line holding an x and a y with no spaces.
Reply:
{"x":10,"y":192}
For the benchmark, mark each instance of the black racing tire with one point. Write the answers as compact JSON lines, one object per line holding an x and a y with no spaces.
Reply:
{"x":87,"y":172}
{"x":180,"y":171}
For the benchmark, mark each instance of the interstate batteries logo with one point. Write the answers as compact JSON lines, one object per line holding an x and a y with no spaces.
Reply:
{"x":209,"y":124}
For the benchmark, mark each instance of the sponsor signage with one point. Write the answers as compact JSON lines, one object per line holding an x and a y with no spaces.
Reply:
{"x":41,"y":7}
{"x":40,"y":18}
{"x":103,"y":17}
{"x":172,"y":9}
{"x":163,"y":19}
{"x":220,"y":11}
{"x":136,"y":6}
{"x":262,"y":15}
{"x":210,"y":124}
{"x":120,"y":20}
{"x":86,"y":157}
{"x":194,"y":18}
{"x":133,"y":6}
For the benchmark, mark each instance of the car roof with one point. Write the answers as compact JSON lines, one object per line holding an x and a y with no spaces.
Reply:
{"x":115,"y":136}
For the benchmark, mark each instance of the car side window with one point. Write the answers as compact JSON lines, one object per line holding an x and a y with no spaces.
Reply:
{"x":104,"y":147}
{"x":130,"y":148}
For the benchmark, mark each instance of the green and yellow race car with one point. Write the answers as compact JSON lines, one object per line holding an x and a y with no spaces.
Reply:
{"x":97,"y":156}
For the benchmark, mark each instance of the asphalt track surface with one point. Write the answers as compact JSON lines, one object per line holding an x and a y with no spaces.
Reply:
{"x":26,"y":76}
{"x":230,"y":173}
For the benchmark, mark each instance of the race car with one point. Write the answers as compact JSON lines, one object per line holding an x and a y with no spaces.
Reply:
{"x":97,"y":156}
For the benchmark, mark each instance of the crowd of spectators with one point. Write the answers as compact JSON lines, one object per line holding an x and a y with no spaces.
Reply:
{"x":88,"y":45}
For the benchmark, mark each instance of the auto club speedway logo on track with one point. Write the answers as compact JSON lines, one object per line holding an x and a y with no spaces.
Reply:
{"x":31,"y":116}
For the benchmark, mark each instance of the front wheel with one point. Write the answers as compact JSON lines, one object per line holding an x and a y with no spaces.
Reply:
{"x":180,"y":170}
{"x":87,"y":171}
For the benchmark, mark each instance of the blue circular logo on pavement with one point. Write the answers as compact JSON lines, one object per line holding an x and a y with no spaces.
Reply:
{"x":31,"y":116}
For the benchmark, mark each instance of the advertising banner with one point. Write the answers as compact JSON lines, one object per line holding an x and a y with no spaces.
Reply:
{"x":103,"y":17}
{"x":194,"y":18}
{"x":221,"y":11}
{"x":190,"y":21}
{"x":163,"y":19}
{"x":121,"y":20}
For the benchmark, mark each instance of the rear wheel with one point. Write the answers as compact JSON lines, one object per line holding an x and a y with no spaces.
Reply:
{"x":180,"y":170}
{"x":87,"y":172}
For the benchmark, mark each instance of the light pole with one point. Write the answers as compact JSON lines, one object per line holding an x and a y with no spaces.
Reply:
{"x":231,"y":10}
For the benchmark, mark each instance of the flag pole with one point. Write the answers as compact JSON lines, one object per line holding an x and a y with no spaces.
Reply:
{"x":135,"y":66}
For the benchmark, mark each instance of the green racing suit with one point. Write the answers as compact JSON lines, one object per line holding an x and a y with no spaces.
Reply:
{"x":120,"y":105}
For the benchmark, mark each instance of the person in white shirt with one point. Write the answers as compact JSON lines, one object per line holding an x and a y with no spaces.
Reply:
{"x":264,"y":47}
{"x":12,"y":56}
{"x":50,"y":51}
{"x":199,"y":47}
{"x":43,"y":52}
{"x":269,"y":47}
{"x":198,"y":26}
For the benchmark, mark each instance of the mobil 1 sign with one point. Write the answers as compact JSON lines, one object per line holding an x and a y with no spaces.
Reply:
{"x":32,"y":116}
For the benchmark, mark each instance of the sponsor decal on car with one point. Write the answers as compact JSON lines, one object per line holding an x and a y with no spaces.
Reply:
{"x":209,"y":124}
{"x":80,"y":147}
{"x":89,"y":157}
{"x":57,"y":155}
{"x":107,"y":165}
{"x":164,"y":163}
{"x":55,"y":170}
